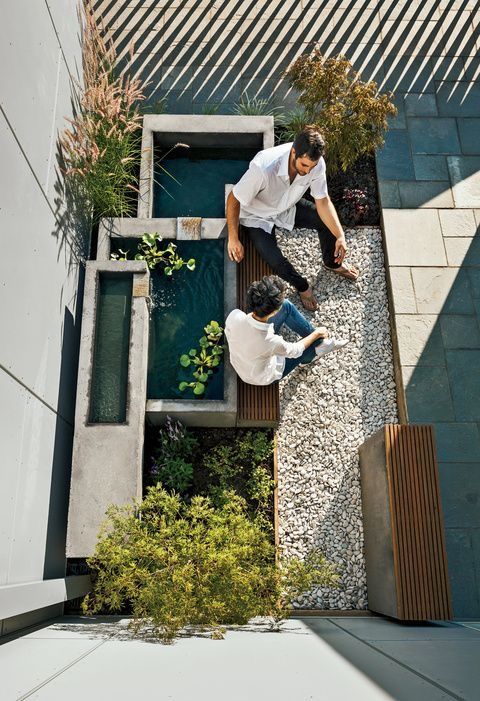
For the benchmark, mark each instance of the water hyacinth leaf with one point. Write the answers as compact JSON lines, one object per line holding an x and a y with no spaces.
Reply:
{"x":167,"y":270}
{"x":203,"y":342}
{"x":183,"y":386}
{"x":199,"y":388}
{"x":191,"y":264}
{"x":192,"y":351}
{"x":203,"y":377}
{"x":184,"y":361}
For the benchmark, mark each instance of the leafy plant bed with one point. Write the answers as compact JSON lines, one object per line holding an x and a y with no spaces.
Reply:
{"x":210,"y":462}
{"x":355,"y":194}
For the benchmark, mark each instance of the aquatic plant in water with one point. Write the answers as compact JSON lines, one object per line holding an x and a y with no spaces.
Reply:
{"x":205,"y":359}
{"x":149,"y":251}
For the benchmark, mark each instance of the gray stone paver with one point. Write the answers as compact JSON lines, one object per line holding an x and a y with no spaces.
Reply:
{"x":426,"y":51}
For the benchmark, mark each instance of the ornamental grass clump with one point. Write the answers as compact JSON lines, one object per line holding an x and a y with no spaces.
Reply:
{"x":175,"y":564}
{"x":351,"y":114}
{"x":101,"y":148}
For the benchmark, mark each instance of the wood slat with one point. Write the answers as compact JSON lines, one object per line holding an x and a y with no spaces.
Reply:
{"x":257,"y":406}
{"x":419,"y":553}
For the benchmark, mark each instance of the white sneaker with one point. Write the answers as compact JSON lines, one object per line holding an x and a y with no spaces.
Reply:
{"x":329,"y":345}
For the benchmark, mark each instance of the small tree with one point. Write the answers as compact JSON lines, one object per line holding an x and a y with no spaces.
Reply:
{"x":351,"y":114}
{"x":176,"y":563}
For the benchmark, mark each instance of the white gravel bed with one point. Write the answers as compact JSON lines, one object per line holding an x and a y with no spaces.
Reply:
{"x":329,"y":408}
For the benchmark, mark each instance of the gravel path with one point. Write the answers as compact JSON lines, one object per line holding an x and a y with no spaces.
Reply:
{"x":329,"y":409}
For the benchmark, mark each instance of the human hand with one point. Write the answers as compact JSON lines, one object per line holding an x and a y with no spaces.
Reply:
{"x":235,"y":250}
{"x":321,"y":332}
{"x":340,"y":249}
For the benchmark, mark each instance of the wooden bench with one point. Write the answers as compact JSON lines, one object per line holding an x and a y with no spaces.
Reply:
{"x":407,"y":575}
{"x":257,"y":406}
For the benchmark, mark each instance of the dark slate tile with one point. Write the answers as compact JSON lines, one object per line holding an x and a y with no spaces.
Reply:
{"x":459,"y":332}
{"x":389,"y":194}
{"x":420,"y":105}
{"x":458,"y":99}
{"x":459,"y":300}
{"x":460,"y":490}
{"x":418,"y":193}
{"x":469,"y":131}
{"x":176,"y":77}
{"x":399,"y":121}
{"x":433,"y":353}
{"x":407,"y":74}
{"x":178,"y":101}
{"x":474,"y":277}
{"x":451,"y":68}
{"x":394,"y":160}
{"x":433,"y":135}
{"x":475,"y":538}
{"x":457,"y":442}
{"x":461,"y":569}
{"x":430,"y":167}
{"x":214,"y":85}
{"x":464,"y":373}
{"x":472,"y":66}
{"x":428,"y":395}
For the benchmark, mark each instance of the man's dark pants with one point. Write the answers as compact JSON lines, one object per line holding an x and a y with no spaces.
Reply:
{"x":306,"y":217}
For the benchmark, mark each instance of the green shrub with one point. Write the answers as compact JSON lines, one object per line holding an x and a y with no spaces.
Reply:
{"x":171,"y":463}
{"x":176,"y":564}
{"x":350,"y":113}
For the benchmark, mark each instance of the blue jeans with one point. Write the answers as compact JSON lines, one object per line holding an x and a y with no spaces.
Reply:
{"x":289,"y":315}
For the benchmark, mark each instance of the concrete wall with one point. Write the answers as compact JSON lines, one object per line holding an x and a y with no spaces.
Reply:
{"x":42,"y":245}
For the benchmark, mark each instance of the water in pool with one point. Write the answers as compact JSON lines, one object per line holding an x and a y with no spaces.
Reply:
{"x":182,"y":306}
{"x":108,"y":402}
{"x":202,"y":174}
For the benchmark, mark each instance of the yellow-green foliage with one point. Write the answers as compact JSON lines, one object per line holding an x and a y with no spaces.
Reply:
{"x":351,"y":114}
{"x":176,"y":563}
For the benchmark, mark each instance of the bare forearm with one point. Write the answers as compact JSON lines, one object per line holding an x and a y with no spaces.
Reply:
{"x":314,"y":336}
{"x":233,"y":216}
{"x":328,"y":214}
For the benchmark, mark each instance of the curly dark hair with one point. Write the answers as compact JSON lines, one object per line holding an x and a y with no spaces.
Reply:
{"x":266,"y":295}
{"x":310,"y":143}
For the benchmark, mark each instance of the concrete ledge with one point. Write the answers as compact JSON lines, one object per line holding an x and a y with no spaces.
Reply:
{"x":200,"y":130}
{"x":17,"y":599}
{"x":108,"y":458}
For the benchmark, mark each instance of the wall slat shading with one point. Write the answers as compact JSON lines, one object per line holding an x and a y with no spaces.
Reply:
{"x":257,"y":406}
{"x":405,"y":554}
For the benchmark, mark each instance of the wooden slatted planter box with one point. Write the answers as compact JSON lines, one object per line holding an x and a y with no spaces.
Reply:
{"x":407,"y":576}
{"x":256,"y":406}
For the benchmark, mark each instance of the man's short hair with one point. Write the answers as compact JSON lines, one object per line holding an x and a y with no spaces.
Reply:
{"x":309,"y":143}
{"x":266,"y":295}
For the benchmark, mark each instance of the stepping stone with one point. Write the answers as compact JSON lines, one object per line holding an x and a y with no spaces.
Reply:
{"x":444,"y":290}
{"x":457,"y":442}
{"x":413,"y":237}
{"x":457,"y":222}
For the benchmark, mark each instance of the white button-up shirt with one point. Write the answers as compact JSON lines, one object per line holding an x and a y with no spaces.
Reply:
{"x":257,"y":353}
{"x":267,"y":197}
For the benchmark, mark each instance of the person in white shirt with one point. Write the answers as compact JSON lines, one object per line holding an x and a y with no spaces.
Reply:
{"x":270,"y":194}
{"x":258,"y":353}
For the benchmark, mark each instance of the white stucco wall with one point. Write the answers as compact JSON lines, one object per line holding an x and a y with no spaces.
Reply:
{"x":39,"y":281}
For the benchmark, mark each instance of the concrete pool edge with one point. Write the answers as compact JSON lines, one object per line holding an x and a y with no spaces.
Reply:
{"x":192,"y":412}
{"x":217,"y":127}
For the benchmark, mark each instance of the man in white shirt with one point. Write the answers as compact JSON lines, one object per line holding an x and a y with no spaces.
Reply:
{"x":270,"y":194}
{"x":258,"y":353}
